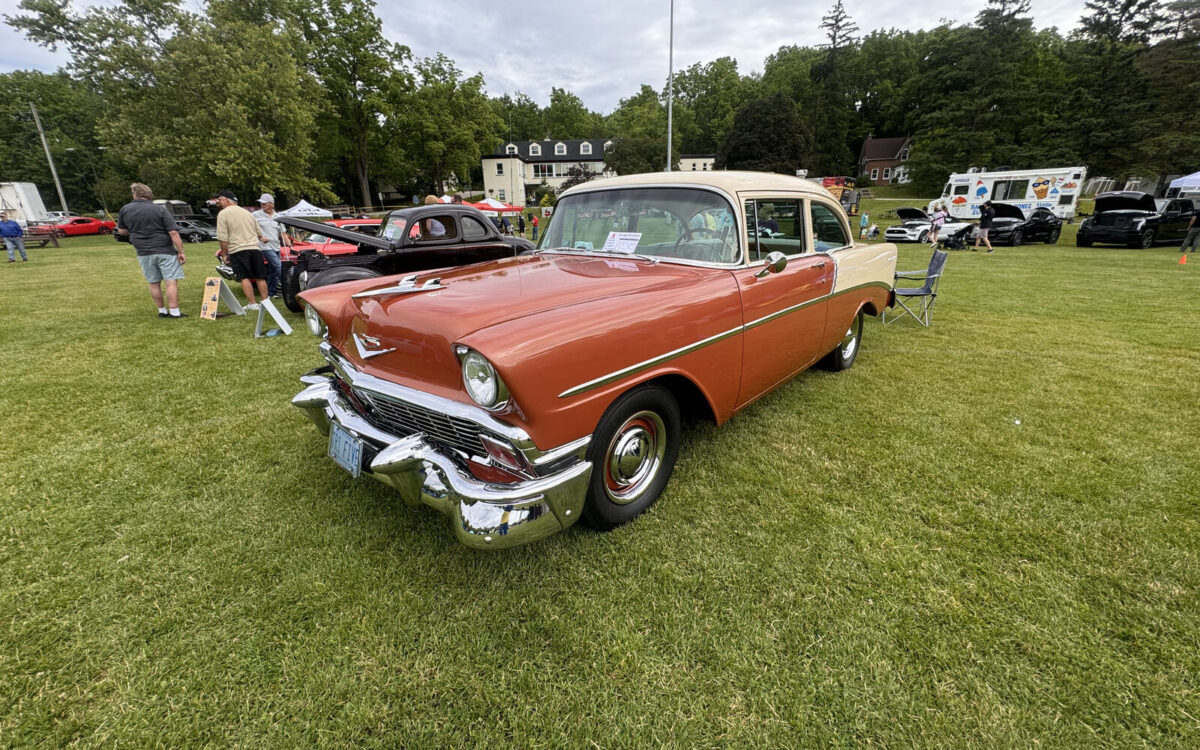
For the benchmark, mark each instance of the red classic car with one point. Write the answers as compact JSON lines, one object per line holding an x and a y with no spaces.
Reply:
{"x":78,"y":225}
{"x":520,"y":395}
{"x":329,"y":245}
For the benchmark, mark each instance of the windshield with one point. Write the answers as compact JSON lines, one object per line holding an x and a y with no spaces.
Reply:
{"x":1160,"y":204}
{"x":667,"y":223}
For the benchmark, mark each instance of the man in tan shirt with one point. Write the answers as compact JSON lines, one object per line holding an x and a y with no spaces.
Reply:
{"x":238,"y":235}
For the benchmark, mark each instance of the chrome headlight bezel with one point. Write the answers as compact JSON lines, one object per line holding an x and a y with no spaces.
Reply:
{"x":313,"y":321}
{"x":480,"y":379}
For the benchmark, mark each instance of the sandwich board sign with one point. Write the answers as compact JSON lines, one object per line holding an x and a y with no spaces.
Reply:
{"x":217,"y":291}
{"x":265,"y":308}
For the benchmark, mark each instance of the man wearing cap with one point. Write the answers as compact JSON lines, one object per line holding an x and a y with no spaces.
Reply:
{"x":276,"y":237}
{"x":152,"y":231}
{"x":239,"y":238}
{"x":13,"y":237}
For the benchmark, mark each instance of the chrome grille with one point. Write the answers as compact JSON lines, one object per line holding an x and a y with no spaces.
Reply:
{"x":403,"y":419}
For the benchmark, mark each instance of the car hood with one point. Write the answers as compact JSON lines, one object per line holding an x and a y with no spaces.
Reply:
{"x":908,"y":213}
{"x":405,"y":328}
{"x":1125,"y":201}
{"x":1008,"y":211}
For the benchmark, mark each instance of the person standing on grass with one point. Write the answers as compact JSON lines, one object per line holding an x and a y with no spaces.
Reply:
{"x":239,"y":238}
{"x":14,"y":238}
{"x":152,"y":231}
{"x":1192,"y":239}
{"x":276,"y":238}
{"x":986,"y":215}
{"x":939,"y":220}
{"x":534,"y":220}
{"x":521,"y":224}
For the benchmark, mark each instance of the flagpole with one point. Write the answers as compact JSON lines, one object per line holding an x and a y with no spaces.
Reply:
{"x":670,"y":82}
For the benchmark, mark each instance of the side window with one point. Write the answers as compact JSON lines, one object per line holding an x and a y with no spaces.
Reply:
{"x":434,"y":229}
{"x":774,"y":226}
{"x":961,"y":189}
{"x":473,"y":229}
{"x":828,"y":232}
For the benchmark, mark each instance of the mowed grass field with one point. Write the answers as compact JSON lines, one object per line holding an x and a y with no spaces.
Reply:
{"x":984,"y":534}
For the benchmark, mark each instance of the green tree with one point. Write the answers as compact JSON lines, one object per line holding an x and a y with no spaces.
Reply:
{"x":450,"y":124}
{"x":566,"y":117}
{"x":522,"y":117}
{"x":638,"y":155}
{"x":708,"y":96}
{"x":766,"y":136}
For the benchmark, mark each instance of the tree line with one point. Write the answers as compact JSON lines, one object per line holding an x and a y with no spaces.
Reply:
{"x":309,"y":99}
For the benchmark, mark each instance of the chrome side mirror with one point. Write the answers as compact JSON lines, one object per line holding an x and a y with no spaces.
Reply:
{"x":776,"y":262}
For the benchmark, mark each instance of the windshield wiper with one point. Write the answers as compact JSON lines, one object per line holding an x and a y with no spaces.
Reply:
{"x":600,"y":253}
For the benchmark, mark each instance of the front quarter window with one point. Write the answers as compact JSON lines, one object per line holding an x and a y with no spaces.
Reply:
{"x":683,"y":224}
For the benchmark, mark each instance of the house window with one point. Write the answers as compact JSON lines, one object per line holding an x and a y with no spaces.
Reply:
{"x":585,"y":149}
{"x":500,"y":168}
{"x":887,"y":173}
{"x":693,"y":166}
{"x":874,"y":174}
{"x":535,"y":150}
{"x":511,"y":149}
{"x":542,"y":171}
{"x":560,"y":149}
{"x":904,"y":154}
{"x":500,"y":195}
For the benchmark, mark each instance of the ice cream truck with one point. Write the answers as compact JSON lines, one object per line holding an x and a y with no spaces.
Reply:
{"x":1057,"y":189}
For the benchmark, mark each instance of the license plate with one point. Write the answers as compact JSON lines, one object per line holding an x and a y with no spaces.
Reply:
{"x":345,"y":449}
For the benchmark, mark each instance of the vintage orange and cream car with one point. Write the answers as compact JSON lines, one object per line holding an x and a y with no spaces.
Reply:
{"x":521,"y":395}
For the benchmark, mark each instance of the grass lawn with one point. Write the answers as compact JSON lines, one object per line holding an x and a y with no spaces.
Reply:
{"x":985,"y":534}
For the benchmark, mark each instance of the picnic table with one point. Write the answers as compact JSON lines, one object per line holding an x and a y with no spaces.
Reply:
{"x":42,"y":239}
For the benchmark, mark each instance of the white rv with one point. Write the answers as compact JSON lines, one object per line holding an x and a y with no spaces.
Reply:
{"x":22,"y":202}
{"x":1057,"y":189}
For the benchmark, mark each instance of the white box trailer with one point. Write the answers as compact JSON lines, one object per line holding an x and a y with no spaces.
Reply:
{"x":22,"y":202}
{"x":1057,"y":189}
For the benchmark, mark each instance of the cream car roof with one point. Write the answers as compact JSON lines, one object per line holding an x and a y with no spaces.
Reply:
{"x":731,"y":182}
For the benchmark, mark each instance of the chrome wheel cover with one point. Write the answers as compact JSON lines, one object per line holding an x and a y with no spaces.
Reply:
{"x":634,"y":456}
{"x":850,"y":342}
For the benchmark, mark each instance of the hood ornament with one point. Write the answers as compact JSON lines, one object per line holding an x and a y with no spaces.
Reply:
{"x":407,"y":285}
{"x":369,"y":346}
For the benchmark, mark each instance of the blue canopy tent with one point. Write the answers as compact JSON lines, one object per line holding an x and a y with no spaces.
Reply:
{"x":1184,"y":187}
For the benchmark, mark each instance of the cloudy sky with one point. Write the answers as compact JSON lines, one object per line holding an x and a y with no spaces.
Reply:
{"x":604,"y":51}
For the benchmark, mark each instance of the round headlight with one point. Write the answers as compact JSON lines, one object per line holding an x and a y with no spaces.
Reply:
{"x":312,"y":318}
{"x":480,"y":379}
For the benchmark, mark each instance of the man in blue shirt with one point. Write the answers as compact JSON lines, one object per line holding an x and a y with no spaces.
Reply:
{"x":14,"y":237}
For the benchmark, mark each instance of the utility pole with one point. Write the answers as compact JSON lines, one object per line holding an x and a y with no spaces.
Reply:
{"x":670,"y":81}
{"x":53,"y":172}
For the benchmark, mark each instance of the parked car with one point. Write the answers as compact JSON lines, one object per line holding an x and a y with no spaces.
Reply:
{"x":520,"y":395}
{"x":1012,"y":227}
{"x":194,"y":230}
{"x":54,"y":216}
{"x":915,"y":226}
{"x":76,"y":225}
{"x":410,"y":239}
{"x":1136,"y":220}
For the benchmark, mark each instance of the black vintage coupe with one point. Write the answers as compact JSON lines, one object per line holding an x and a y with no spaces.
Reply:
{"x":409,"y":240}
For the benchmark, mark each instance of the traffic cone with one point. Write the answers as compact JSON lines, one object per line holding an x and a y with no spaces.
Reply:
{"x":1183,"y":260}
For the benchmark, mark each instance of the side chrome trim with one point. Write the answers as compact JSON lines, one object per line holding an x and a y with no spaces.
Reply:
{"x":655,"y":361}
{"x":367,"y":346}
{"x":407,"y":285}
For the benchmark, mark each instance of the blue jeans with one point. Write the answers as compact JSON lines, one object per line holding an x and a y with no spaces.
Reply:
{"x":535,"y":232}
{"x":272,"y":257}
{"x":15,"y":243}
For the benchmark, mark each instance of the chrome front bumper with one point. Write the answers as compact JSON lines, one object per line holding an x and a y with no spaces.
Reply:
{"x":483,"y":514}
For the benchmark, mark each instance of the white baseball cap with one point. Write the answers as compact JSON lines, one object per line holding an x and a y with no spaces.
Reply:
{"x":266,"y":198}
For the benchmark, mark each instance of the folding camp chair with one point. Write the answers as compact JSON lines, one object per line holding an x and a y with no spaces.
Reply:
{"x":920,"y":298}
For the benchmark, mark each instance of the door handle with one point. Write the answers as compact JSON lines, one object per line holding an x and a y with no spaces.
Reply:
{"x":819,"y":265}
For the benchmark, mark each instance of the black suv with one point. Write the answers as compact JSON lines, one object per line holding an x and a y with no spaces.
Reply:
{"x":410,"y":239}
{"x":1136,"y":220}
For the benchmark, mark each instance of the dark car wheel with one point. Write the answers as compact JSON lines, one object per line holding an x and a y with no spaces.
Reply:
{"x":338,"y":275}
{"x":104,"y":230}
{"x":59,"y":233}
{"x":847,"y":351}
{"x":632,"y":454}
{"x":194,"y":237}
{"x":1146,"y":241}
{"x":1017,"y":237}
{"x":924,"y":237}
{"x":289,"y":287}
{"x":1052,"y":238}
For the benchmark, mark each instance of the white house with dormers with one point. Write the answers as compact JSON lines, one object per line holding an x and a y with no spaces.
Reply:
{"x":517,"y":168}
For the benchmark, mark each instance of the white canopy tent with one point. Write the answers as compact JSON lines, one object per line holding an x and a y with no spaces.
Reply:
{"x":1187,"y":184}
{"x":306,"y":210}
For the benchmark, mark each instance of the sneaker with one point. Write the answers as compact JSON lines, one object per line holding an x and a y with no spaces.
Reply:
{"x":180,"y":315}
{"x":164,"y":315}
{"x":251,"y":306}
{"x":991,"y":250}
